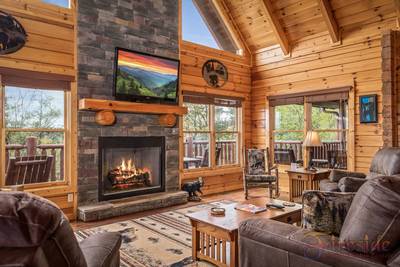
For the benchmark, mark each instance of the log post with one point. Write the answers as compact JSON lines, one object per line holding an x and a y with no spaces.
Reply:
{"x":31,"y":144}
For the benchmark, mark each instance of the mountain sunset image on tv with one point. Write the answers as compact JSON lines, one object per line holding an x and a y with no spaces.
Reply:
{"x":141,"y":76}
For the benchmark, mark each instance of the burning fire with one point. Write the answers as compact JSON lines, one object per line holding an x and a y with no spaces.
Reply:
{"x":128,"y":170}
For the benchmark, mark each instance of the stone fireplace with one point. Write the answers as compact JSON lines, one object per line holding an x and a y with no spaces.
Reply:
{"x":146,"y":26}
{"x":131,"y":166}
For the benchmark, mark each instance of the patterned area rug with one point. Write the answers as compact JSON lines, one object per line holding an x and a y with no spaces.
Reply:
{"x":163,"y":239}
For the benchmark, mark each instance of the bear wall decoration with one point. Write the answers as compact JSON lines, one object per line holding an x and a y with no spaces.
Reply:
{"x":12,"y":34}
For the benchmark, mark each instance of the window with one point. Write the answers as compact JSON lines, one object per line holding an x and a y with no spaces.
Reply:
{"x":61,"y":3}
{"x":34,"y":135}
{"x":288,"y":133}
{"x":325,"y":113}
{"x":211,"y":130}
{"x":194,"y":28}
{"x":203,"y":24}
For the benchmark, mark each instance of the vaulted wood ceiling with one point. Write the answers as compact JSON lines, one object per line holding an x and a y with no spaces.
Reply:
{"x":264,"y":23}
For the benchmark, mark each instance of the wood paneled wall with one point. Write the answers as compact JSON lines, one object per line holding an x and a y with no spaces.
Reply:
{"x":316,"y":64}
{"x":193,"y":57}
{"x":51,"y":38}
{"x":49,"y":54}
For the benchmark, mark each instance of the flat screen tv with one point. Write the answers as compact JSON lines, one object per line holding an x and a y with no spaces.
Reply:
{"x":143,"y":77}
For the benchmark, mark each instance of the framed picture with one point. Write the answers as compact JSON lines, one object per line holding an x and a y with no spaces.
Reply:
{"x":368,"y":109}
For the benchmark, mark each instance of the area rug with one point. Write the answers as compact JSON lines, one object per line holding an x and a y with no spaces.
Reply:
{"x":163,"y":239}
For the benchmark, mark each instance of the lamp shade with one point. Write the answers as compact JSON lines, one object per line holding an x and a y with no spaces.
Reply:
{"x":312,"y":139}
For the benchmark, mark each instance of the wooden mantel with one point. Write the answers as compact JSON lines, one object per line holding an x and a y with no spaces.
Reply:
{"x":167,"y":112}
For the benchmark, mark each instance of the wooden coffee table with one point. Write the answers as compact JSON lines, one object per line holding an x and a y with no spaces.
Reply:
{"x":215,"y":239}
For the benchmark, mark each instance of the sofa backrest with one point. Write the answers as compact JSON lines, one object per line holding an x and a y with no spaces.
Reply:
{"x":385,"y":162}
{"x":34,"y":229}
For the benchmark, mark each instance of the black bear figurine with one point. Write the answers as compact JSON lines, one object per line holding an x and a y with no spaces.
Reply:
{"x":192,"y":188}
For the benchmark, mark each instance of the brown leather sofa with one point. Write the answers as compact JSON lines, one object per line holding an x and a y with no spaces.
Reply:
{"x":385,"y":162}
{"x":368,"y":225}
{"x":35,"y":233}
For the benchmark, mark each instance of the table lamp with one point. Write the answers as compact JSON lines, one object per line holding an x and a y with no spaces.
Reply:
{"x":312,"y":140}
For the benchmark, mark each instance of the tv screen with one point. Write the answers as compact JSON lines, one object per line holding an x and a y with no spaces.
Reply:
{"x":144,"y":77}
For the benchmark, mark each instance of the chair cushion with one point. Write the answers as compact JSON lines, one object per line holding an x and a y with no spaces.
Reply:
{"x":325,"y":211}
{"x":372,"y":223}
{"x":328,"y":186}
{"x":30,"y":219}
{"x":262,"y":178}
{"x":385,"y":162}
{"x":256,"y":161}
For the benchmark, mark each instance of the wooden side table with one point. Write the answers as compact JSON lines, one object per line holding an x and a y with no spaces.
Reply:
{"x":301,"y":179}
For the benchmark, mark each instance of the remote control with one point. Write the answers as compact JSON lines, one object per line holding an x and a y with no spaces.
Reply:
{"x":275,"y":205}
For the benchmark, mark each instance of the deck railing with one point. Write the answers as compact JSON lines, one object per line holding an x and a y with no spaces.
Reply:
{"x":228,"y":153}
{"x":31,"y":148}
{"x":319,"y":153}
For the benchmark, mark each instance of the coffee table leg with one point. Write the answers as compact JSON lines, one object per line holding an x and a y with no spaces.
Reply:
{"x":234,"y":258}
{"x":195,"y":241}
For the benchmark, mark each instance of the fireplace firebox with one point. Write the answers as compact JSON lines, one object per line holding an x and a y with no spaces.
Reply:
{"x":131,"y":166}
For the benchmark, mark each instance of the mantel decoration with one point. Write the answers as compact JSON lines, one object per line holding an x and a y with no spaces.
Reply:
{"x":12,"y":34}
{"x":368,"y":109}
{"x":215,"y":73}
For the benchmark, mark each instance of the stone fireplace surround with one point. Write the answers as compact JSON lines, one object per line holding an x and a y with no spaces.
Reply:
{"x":147,"y":26}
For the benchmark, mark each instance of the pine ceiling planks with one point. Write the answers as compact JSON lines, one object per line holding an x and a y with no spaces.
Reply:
{"x":304,"y":18}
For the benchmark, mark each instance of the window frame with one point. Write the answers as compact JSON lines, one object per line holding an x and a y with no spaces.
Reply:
{"x":307,"y":102}
{"x":67,"y":131}
{"x":213,"y":140}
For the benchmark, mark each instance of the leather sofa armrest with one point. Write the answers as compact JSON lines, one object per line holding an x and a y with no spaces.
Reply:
{"x":394,"y":260}
{"x":293,"y":246}
{"x":102,"y":250}
{"x":336,"y":175}
{"x":350,"y":184}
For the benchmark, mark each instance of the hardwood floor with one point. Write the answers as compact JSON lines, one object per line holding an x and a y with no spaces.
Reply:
{"x":234,"y":195}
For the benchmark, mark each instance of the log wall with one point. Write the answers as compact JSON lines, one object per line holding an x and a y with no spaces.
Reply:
{"x":49,"y":54}
{"x":316,"y":64}
{"x":192,"y":58}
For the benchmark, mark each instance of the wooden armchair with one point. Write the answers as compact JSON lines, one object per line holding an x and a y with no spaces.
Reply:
{"x":29,"y":170}
{"x":258,"y":172}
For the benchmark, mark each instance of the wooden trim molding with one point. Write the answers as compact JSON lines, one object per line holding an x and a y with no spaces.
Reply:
{"x":390,"y":63}
{"x":276,"y":26}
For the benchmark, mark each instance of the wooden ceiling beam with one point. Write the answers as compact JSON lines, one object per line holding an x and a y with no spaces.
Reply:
{"x":230,"y":24}
{"x":397,"y":6}
{"x":330,"y":21}
{"x":276,"y":26}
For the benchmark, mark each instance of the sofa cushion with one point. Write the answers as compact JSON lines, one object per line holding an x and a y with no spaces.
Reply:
{"x":325,"y":211}
{"x":385,"y":162}
{"x":336,"y":175}
{"x":372,"y":223}
{"x":327,"y":185}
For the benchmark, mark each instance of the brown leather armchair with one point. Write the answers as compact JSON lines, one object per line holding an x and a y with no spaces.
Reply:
{"x":385,"y":162}
{"x":34,"y":232}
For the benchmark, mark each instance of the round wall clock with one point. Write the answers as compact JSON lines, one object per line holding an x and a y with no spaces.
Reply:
{"x":12,"y":34}
{"x":215,"y":73}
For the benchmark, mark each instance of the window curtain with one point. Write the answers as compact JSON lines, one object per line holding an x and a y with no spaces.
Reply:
{"x":197,"y":98}
{"x":310,"y":97}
